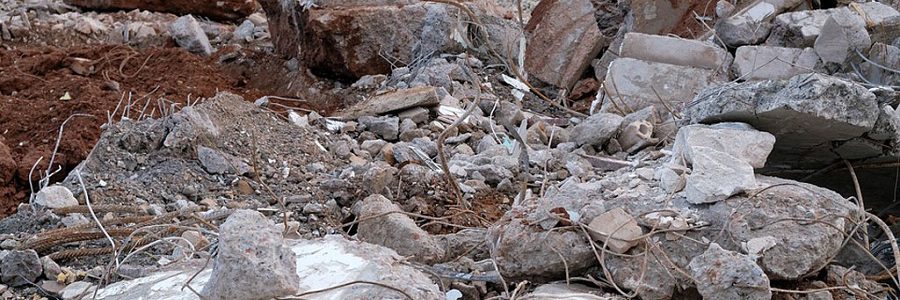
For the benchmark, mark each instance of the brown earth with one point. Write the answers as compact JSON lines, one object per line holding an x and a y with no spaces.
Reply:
{"x":34,"y":80}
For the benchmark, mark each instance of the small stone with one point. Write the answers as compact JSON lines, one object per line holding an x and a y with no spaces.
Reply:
{"x":387,"y":128}
{"x":52,"y":286}
{"x":76,"y":290}
{"x":55,"y":196}
{"x":20,"y":267}
{"x":9,"y":244}
{"x":313,"y":208}
{"x":723,"y":274}
{"x":50,"y":268}
{"x":190,"y":36}
{"x":596,"y":129}
{"x":618,"y":229}
{"x":244,"y":188}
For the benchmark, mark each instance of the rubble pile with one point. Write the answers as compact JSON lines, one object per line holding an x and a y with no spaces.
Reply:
{"x":477,"y":150}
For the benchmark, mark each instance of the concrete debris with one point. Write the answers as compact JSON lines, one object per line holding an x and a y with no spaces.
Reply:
{"x":76,"y":290}
{"x":384,"y":127}
{"x":55,"y":196}
{"x":573,"y":291}
{"x":216,"y":162}
{"x":675,"y":51}
{"x":188,"y":34}
{"x":384,"y":225}
{"x":393,"y":101}
{"x":751,"y":25}
{"x":716,"y":176}
{"x":525,"y":252}
{"x":20,"y":267}
{"x":220,"y":10}
{"x":763,"y":62}
{"x":738,"y":140}
{"x":563,"y":38}
{"x":723,"y":274}
{"x":615,"y":229}
{"x":633,"y":84}
{"x":804,"y":113}
{"x":252,"y":260}
{"x":596,"y":130}
{"x":800,"y":29}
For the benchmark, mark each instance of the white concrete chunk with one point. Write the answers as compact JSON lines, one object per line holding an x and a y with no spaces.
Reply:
{"x":764,"y":62}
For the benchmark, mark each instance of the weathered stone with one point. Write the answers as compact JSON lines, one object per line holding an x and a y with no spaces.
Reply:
{"x":219,"y":10}
{"x":635,"y":84}
{"x":804,"y":113}
{"x":190,"y":36}
{"x":523,"y":251}
{"x":885,"y":56}
{"x":874,"y":13}
{"x":49,"y":267}
{"x":716,"y":176}
{"x":252,"y":260}
{"x":748,"y":27}
{"x":351,"y":39}
{"x":616,"y":229}
{"x":723,"y":274}
{"x":675,"y":51}
{"x":395,"y":231}
{"x":736,"y":139}
{"x":596,"y":129}
{"x":21,"y":267}
{"x":801,"y":28}
{"x":55,"y":196}
{"x":393,"y":101}
{"x":563,"y":39}
{"x":216,"y":162}
{"x":385,"y":127}
{"x":76,"y":290}
{"x":419,"y":115}
{"x":832,"y":45}
{"x":763,"y":62}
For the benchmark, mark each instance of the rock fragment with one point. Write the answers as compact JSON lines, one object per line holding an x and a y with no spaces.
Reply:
{"x":385,"y":127}
{"x":55,"y":196}
{"x":617,"y":229}
{"x":716,"y":176}
{"x":764,"y":62}
{"x":633,"y":84}
{"x":393,"y":101}
{"x":564,"y":38}
{"x":723,"y":274}
{"x":739,"y":140}
{"x":596,"y":129}
{"x":20,"y":267}
{"x":674,"y":51}
{"x":190,"y":36}
{"x":393,"y":230}
{"x":252,"y":260}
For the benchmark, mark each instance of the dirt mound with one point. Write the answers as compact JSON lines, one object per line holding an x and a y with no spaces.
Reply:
{"x":41,"y":88}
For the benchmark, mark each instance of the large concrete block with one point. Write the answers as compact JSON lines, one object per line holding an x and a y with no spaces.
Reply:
{"x":801,"y":28}
{"x":764,"y":62}
{"x":633,"y":84}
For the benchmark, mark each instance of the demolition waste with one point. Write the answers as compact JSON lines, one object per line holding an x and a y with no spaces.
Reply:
{"x":446,"y":149}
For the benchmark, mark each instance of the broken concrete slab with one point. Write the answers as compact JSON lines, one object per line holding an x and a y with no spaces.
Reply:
{"x":633,"y":84}
{"x":252,"y":260}
{"x":524,"y":251}
{"x":563,"y":39}
{"x":675,"y":51}
{"x":320,"y":263}
{"x":229,"y":10}
{"x":739,"y":140}
{"x":424,"y":96}
{"x":723,"y":274}
{"x":801,"y":28}
{"x":383,"y":225}
{"x":751,"y":25}
{"x":616,"y":229}
{"x":806,"y":112}
{"x":190,"y":36}
{"x":764,"y":62}
{"x":716,"y":176}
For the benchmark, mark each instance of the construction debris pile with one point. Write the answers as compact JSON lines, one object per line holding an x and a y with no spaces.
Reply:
{"x":443,"y":149}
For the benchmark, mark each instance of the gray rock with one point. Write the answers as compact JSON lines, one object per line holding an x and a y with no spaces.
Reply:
{"x":805,"y":113}
{"x":244,"y":32}
{"x":716,"y":176}
{"x":76,"y":290}
{"x":55,"y":196}
{"x":21,"y":267}
{"x":523,"y":251}
{"x":419,"y":115}
{"x":189,"y":35}
{"x":723,"y":274}
{"x":9,"y":244}
{"x":764,"y":62}
{"x":596,"y":129}
{"x":373,"y":146}
{"x":634,"y":84}
{"x":216,"y":162}
{"x":395,"y":231}
{"x":833,"y":44}
{"x":50,"y":268}
{"x":253,"y":262}
{"x":742,"y":30}
{"x":740,"y":141}
{"x":385,"y":127}
{"x":801,"y":28}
